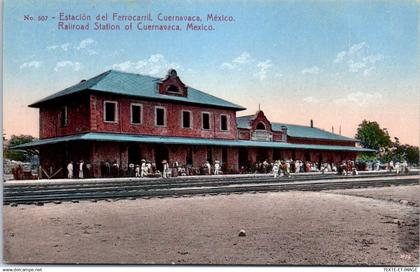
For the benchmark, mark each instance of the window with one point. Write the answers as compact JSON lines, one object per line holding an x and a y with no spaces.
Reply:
{"x":63,"y":116}
{"x":110,"y":111}
{"x":136,"y":113}
{"x":186,"y":119}
{"x":223,"y":122}
{"x":160,"y":116}
{"x":261,"y":125}
{"x":173,"y":89}
{"x":205,"y":118}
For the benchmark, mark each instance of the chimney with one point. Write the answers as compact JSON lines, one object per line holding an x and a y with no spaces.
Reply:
{"x":312,"y":123}
{"x":340,"y":130}
{"x":332,"y":129}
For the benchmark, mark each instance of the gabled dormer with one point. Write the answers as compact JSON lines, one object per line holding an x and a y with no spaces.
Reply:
{"x":260,"y":127}
{"x":172,"y":85}
{"x":260,"y":122}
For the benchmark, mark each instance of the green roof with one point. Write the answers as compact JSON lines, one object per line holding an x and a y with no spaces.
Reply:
{"x":297,"y":131}
{"x":113,"y":137}
{"x":142,"y":86}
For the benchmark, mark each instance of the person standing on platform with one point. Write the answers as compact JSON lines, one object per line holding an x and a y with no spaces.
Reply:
{"x":131,"y":169}
{"x":216,"y":167}
{"x":207,"y":164}
{"x":70,"y":170}
{"x":115,"y":169}
{"x":143,"y":168}
{"x":276,"y":169}
{"x":165,"y":169}
{"x":404,"y":166}
{"x":81,"y":167}
{"x":175,"y":168}
{"x":137,"y":170}
{"x":107,"y":169}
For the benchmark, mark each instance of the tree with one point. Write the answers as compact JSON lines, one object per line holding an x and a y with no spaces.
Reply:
{"x":371,"y":135}
{"x":412,"y":154}
{"x":405,"y":152}
{"x":18,"y":155}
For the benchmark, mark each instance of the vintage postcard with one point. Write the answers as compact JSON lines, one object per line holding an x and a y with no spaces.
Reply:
{"x":211,"y":132}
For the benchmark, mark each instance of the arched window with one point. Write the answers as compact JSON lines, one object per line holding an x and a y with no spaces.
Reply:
{"x":261,"y":125}
{"x":173,"y":89}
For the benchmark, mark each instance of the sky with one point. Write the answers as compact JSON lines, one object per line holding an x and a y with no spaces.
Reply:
{"x":337,"y":63}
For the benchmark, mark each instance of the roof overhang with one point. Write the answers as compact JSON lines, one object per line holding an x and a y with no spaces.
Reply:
{"x":113,"y":137}
{"x":161,"y":98}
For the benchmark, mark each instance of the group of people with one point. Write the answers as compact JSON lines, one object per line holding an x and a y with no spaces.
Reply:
{"x":285,"y":167}
{"x":292,"y":166}
{"x":79,"y":169}
{"x":278,"y":168}
{"x":149,"y":169}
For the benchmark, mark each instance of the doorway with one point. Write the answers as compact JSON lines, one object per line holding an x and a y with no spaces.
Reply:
{"x":243,"y":157}
{"x":224,"y":159}
{"x":320,"y":160}
{"x":134,"y":154}
{"x":261,"y":155}
{"x":161,"y":153}
{"x":307,"y":156}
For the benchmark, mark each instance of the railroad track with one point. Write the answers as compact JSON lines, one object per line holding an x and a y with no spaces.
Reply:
{"x":38,"y":194}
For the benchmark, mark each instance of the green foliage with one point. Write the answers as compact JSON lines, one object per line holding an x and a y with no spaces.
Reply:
{"x":366,"y":157}
{"x":405,"y":152}
{"x":18,"y":155}
{"x":371,"y":135}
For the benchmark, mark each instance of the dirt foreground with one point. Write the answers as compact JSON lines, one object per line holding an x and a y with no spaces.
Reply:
{"x":349,"y":227}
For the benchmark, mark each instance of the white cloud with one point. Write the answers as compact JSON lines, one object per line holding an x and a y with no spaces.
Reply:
{"x":358,"y":59}
{"x":313,"y":70}
{"x":259,"y":69}
{"x":263,"y":68}
{"x":237,"y":62}
{"x":245,"y":57}
{"x":75,"y":66}
{"x":340,"y":56}
{"x":373,"y":58}
{"x":355,"y":48}
{"x":354,"y":67}
{"x":156,"y":64}
{"x":358,"y":98}
{"x":52,"y":47}
{"x":92,"y":52}
{"x":368,"y":71}
{"x":31,"y":64}
{"x":311,"y":99}
{"x":228,"y":66}
{"x":123,"y":66}
{"x":65,"y":46}
{"x":278,"y":75}
{"x":84,"y":43}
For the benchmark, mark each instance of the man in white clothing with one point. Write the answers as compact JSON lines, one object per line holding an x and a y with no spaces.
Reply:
{"x":70,"y":170}
{"x":216,"y":167}
{"x":81,"y":169}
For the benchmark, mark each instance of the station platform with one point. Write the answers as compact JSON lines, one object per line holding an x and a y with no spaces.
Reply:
{"x":207,"y":177}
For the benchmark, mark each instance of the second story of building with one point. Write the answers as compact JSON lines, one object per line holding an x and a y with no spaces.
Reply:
{"x":257,"y":127}
{"x":118,"y":102}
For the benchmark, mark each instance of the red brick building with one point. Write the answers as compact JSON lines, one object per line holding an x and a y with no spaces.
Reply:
{"x":127,"y":117}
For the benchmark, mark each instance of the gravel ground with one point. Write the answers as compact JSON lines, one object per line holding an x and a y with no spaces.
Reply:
{"x":346,"y":227}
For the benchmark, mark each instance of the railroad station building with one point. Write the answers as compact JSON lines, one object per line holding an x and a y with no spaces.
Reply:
{"x":126,"y":117}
